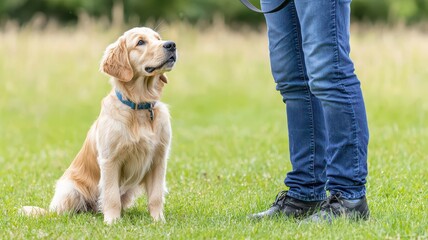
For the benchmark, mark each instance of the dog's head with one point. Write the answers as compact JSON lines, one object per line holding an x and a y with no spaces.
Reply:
{"x":139,"y":52}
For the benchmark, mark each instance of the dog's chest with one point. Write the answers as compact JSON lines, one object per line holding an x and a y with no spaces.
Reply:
{"x":138,"y":159}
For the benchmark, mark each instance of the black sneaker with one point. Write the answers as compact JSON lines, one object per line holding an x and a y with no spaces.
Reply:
{"x":288,"y":206}
{"x":335,"y":206}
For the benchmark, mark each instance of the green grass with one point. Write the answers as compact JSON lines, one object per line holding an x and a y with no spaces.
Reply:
{"x":229,"y":155}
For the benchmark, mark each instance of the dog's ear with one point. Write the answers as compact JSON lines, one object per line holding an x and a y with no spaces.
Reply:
{"x":115,"y":61}
{"x":163,"y":78}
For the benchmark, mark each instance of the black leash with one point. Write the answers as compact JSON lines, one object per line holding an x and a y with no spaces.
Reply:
{"x":275,"y":9}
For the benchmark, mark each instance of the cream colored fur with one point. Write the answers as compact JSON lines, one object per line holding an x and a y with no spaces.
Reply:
{"x":125,"y":152}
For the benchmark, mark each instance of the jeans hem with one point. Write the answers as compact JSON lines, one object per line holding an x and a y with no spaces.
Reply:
{"x":347,"y":196}
{"x":320,"y":197}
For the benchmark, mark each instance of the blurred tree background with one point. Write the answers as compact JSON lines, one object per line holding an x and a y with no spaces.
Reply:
{"x":139,"y":11}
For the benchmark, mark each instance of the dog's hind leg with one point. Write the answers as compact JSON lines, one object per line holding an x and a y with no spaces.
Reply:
{"x":67,"y":198}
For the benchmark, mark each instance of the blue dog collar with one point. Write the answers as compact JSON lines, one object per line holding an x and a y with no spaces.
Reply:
{"x":140,"y":106}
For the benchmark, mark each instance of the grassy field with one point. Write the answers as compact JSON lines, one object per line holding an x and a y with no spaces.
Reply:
{"x":230,"y":153}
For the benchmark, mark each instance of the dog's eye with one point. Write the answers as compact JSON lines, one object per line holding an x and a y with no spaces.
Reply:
{"x":140,"y":43}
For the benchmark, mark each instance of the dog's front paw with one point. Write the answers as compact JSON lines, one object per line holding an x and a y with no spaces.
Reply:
{"x":159,"y":217}
{"x":111,"y":218}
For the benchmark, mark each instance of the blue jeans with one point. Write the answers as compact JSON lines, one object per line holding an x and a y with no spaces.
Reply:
{"x":327,"y":123}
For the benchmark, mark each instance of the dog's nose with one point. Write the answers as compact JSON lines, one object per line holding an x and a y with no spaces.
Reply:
{"x":170,"y":46}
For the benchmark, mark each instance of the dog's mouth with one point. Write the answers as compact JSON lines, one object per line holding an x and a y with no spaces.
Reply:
{"x":167,"y":64}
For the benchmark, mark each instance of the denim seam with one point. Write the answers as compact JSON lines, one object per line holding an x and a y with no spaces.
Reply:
{"x":295,"y":20}
{"x":338,"y":78}
{"x":310,"y":107}
{"x":355,"y":135}
{"x":335,"y":38}
{"x":349,"y":100}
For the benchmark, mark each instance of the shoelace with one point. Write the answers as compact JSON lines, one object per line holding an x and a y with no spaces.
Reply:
{"x":328,"y":203}
{"x":279,"y":199}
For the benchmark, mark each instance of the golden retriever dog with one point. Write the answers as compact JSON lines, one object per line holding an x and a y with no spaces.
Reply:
{"x":125,"y":152}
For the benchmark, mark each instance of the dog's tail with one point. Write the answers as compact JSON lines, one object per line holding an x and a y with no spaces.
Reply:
{"x":32,"y":211}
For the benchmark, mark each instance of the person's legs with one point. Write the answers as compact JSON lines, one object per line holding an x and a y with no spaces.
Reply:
{"x":325,"y":34}
{"x":306,"y":129}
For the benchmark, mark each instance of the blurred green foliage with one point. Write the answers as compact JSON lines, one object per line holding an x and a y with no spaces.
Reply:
{"x":409,"y":11}
{"x":68,"y":11}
